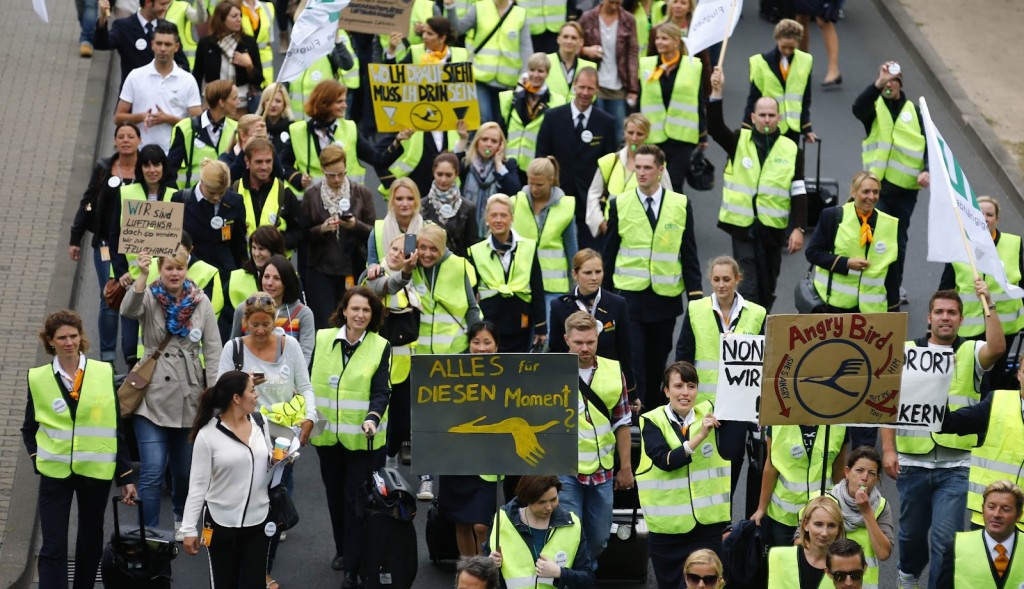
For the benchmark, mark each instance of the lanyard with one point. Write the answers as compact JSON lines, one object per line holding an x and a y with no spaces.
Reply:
{"x":593,"y":309}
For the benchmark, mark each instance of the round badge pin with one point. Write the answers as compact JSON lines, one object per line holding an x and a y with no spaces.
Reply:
{"x":316,"y":76}
{"x":285,"y":136}
{"x":561,"y":558}
{"x":796,"y":451}
{"x":706,"y":450}
{"x":880,"y":247}
{"x":140,"y":44}
{"x":195,"y":334}
{"x":59,"y":405}
{"x":200,"y":144}
{"x":272,"y":217}
{"x":345,"y":204}
{"x":748,"y":163}
{"x":113,"y":182}
{"x":421,"y":288}
{"x":270,"y":529}
{"x":586,"y":136}
{"x":447,"y":210}
{"x":216,"y":222}
{"x":333,"y":380}
{"x":905,"y":117}
{"x":278,"y":331}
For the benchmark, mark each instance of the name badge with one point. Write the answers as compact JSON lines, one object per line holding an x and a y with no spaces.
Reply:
{"x":113,"y":182}
{"x":586,"y":136}
{"x":59,"y":406}
{"x":797,"y":451}
{"x":333,"y":380}
{"x":880,"y":247}
{"x":140,"y":44}
{"x":216,"y":222}
{"x":748,"y":163}
{"x":345,"y":204}
{"x":195,"y":335}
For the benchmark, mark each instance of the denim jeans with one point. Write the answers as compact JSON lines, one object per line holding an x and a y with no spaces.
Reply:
{"x":490,"y":109}
{"x":593,"y":505}
{"x":617,"y":108}
{"x":107,"y":316}
{"x":157,"y":446}
{"x":932,"y":507}
{"x":87,"y":20}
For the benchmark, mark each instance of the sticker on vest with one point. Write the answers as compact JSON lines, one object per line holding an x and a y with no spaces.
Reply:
{"x":316,"y":76}
{"x":706,"y":450}
{"x":447,"y":211}
{"x":285,"y":136}
{"x":270,"y":529}
{"x":195,"y":335}
{"x":586,"y":136}
{"x":216,"y":222}
{"x":512,"y":35}
{"x":272,"y":217}
{"x":561,"y":558}
{"x":421,"y":288}
{"x":278,"y":331}
{"x":114,"y":182}
{"x":797,"y":451}
{"x":59,"y":406}
{"x":333,"y":380}
{"x":880,"y":247}
{"x":140,"y":44}
{"x":200,"y":144}
{"x":905,"y":117}
{"x":748,"y":163}
{"x":345,"y":204}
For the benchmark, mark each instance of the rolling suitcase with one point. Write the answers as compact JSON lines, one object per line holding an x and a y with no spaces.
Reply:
{"x":625,"y":557}
{"x":137,"y":558}
{"x":440,"y":534}
{"x":390,"y":555}
{"x":821,"y":192}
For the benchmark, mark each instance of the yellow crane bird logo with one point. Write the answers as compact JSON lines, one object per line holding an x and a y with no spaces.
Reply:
{"x":525,"y":435}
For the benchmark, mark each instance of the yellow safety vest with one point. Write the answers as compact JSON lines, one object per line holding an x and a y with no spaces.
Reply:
{"x":783,"y":569}
{"x":177,"y":14}
{"x":443,"y":322}
{"x":861,"y":536}
{"x":675,"y":501}
{"x":412,"y":153}
{"x":266,"y":12}
{"x":498,"y":61}
{"x":962,"y":393}
{"x":521,"y":144}
{"x":681,"y":120}
{"x":401,"y":356}
{"x":790,"y":98}
{"x":596,"y":441}
{"x":650,"y":257}
{"x":708,"y":340}
{"x":646,"y":21}
{"x":1010,"y":310}
{"x":135,"y":191}
{"x":971,"y":568}
{"x":799,"y":474}
{"x":492,"y":280}
{"x":558,"y":85}
{"x":321,"y":69}
{"x":518,"y":564}
{"x":342,"y":390}
{"x":894,"y":150}
{"x":271,"y":214}
{"x":455,"y":54}
{"x":863,"y":290}
{"x":307,"y":159}
{"x":241,"y":285}
{"x":554,"y":260}
{"x":748,"y":183}
{"x":87,"y":445}
{"x":543,"y":16}
{"x":196,"y":151}
{"x":1001,"y":457}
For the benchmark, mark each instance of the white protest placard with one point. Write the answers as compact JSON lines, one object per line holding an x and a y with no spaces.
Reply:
{"x":740,"y":363}
{"x":710,"y":24}
{"x":927,"y":375}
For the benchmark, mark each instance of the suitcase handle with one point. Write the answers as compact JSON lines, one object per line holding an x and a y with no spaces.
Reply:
{"x":817,"y":167}
{"x":117,"y":524}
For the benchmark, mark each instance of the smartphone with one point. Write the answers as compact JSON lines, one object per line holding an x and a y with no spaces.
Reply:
{"x":410,"y":244}
{"x":258,"y":378}
{"x":346,"y":216}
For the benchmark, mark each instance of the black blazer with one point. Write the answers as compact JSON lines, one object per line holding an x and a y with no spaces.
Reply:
{"x":208,"y":62}
{"x":577,"y":161}
{"x":123,"y":34}
{"x":210,"y":244}
{"x":612,"y":342}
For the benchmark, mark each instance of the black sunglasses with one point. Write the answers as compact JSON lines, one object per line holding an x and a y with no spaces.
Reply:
{"x":263,"y":300}
{"x":840,"y":576}
{"x":709,"y":580}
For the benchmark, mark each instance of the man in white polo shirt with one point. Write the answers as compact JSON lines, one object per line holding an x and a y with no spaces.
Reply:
{"x":158,"y":95}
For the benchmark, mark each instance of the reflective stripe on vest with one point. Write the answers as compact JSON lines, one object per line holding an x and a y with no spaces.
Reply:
{"x":646,"y":21}
{"x":87,"y":445}
{"x":557,"y":84}
{"x":543,"y":16}
{"x":708,"y":340}
{"x":681,"y":120}
{"x":521,"y":144}
{"x":962,"y":393}
{"x":443,"y":322}
{"x":800,"y":474}
{"x":342,"y":390}
{"x":596,"y":441}
{"x":554,"y":260}
{"x":302,"y":87}
{"x":784,"y":572}
{"x":135,"y":191}
{"x":412,"y":153}
{"x":971,"y":568}
{"x":894,"y":150}
{"x":1009,"y":309}
{"x":746,"y":180}
{"x":271,"y":213}
{"x":860,"y":290}
{"x":518,"y":565}
{"x":499,"y":61}
{"x":307,"y":160}
{"x":650,"y":258}
{"x":199,"y":150}
{"x":492,"y":274}
{"x":675,"y":501}
{"x":1001,"y":457}
{"x":790,"y":98}
{"x":177,"y":13}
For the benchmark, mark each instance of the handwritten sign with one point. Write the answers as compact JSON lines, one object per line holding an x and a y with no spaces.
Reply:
{"x":423,"y":97}
{"x":377,"y":17}
{"x":740,"y":363}
{"x":495,"y":413}
{"x":832,"y":368}
{"x":150,"y":226}
{"x":927,"y":375}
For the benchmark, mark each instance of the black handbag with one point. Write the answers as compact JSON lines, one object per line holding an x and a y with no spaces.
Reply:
{"x":805,"y":295}
{"x":701,"y":175}
{"x":282,"y":509}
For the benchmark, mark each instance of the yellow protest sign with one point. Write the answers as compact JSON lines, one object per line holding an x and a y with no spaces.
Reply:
{"x":832,"y":368}
{"x":423,"y":97}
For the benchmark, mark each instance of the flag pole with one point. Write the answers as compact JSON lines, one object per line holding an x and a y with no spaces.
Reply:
{"x":725,"y":42}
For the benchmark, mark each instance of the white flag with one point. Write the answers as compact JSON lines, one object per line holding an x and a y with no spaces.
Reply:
{"x":710,"y":24}
{"x":953,"y":197}
{"x":40,"y":8}
{"x":312,"y":37}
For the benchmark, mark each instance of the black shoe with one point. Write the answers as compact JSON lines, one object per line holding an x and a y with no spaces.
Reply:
{"x":833,"y":84}
{"x":351,"y":581}
{"x":338,"y":563}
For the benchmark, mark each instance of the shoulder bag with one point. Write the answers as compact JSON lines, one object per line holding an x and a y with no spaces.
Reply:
{"x":133,"y":389}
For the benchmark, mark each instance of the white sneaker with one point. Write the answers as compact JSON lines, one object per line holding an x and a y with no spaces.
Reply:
{"x":906,"y":581}
{"x":426,"y":492}
{"x":179,"y":536}
{"x":391,"y":461}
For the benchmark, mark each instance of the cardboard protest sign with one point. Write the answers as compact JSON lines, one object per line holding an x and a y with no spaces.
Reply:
{"x":832,"y":368}
{"x":495,"y":413}
{"x":150,"y":226}
{"x":377,"y":17}
{"x":740,"y":363}
{"x":423,"y":97}
{"x":927,"y":375}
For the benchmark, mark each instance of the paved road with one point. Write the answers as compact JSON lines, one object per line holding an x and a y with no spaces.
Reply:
{"x":867,"y":40}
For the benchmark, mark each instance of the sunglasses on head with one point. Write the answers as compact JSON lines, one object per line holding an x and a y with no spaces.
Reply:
{"x":840,"y":576}
{"x":261,"y":300}
{"x":709,"y":580}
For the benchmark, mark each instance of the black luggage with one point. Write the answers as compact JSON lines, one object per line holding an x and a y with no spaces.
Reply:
{"x":137,"y":558}
{"x":821,"y":192}
{"x":440,"y":533}
{"x":390,"y":555}
{"x":625,"y":557}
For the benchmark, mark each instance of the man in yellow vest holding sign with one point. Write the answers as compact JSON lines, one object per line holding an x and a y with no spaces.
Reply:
{"x":988,"y":557}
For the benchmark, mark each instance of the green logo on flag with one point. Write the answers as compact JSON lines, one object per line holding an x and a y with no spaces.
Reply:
{"x":957,"y":180}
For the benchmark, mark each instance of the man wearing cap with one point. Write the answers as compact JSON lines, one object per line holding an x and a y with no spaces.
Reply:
{"x":894,"y":149}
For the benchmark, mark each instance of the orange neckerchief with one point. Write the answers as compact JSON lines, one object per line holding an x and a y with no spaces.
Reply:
{"x":76,"y":388}
{"x":434,"y":57}
{"x":530,"y":87}
{"x":866,"y":235}
{"x":994,"y":234}
{"x":784,"y":68}
{"x":253,"y":16}
{"x":663,"y":67}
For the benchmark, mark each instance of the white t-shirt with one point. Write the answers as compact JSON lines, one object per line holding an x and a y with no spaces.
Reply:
{"x":286,"y":376}
{"x":145,"y":88}
{"x":608,"y":70}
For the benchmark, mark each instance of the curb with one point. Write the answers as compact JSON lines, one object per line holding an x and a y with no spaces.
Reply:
{"x":18,"y":557}
{"x":1000,"y":164}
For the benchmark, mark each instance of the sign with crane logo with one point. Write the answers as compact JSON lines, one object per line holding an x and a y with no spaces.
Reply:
{"x":432,"y":97}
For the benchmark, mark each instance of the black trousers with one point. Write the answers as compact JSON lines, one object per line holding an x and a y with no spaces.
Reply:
{"x":54,"y":512}
{"x":651,"y":344}
{"x":760,"y":262}
{"x":344,"y":473}
{"x":399,"y":420}
{"x":238,"y":556}
{"x":677,"y":161}
{"x":323,"y":293}
{"x":900,"y":203}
